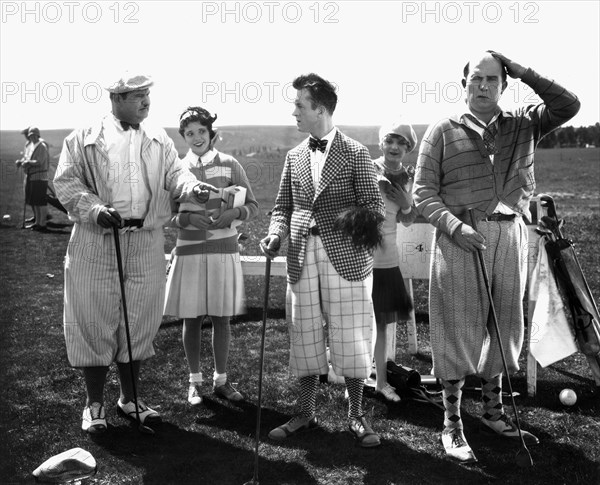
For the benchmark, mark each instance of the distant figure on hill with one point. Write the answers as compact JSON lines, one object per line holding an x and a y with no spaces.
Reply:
{"x":119,"y":173}
{"x":35,"y":162}
{"x":329,"y":276}
{"x":482,"y":159}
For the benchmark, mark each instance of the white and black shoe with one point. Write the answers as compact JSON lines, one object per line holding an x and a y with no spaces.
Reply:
{"x":147,"y":415}
{"x":93,"y":419}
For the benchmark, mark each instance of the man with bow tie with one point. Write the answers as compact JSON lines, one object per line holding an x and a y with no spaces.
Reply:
{"x":122,"y":173}
{"x":482,"y":160}
{"x":329,"y":277}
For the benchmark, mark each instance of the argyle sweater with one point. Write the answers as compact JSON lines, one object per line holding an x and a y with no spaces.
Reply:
{"x":455,"y":173}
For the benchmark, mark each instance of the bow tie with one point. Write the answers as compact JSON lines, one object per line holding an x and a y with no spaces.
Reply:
{"x":315,"y":144}
{"x":125,"y":125}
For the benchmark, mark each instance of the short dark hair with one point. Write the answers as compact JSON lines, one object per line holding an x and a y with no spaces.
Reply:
{"x":321,"y":91}
{"x":502,"y":69}
{"x":202,"y":116}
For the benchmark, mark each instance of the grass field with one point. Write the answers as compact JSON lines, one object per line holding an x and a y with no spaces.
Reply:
{"x":42,"y":397}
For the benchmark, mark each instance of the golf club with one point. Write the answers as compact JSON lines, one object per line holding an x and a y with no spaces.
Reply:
{"x":547,"y":202}
{"x":523,"y":457}
{"x":141,"y":427}
{"x":254,"y":480}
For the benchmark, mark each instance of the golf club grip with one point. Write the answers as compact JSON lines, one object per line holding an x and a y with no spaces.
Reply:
{"x":267,"y":283}
{"x":481,"y":259}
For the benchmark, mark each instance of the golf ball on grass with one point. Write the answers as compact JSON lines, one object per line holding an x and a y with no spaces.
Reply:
{"x":567,"y":397}
{"x":6,"y":218}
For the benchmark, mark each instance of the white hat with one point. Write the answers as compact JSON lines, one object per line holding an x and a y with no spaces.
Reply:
{"x":129,"y":82}
{"x":405,"y":131}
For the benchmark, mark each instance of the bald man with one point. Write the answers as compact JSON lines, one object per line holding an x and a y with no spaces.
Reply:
{"x":482,"y":159}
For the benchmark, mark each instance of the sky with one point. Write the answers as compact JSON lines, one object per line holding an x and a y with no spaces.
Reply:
{"x":391,"y":60}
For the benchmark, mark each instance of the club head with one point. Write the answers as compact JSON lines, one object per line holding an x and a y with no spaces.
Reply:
{"x":142,"y":428}
{"x":548,"y":203}
{"x":252,"y":482}
{"x":549,"y":223}
{"x":523,"y":458}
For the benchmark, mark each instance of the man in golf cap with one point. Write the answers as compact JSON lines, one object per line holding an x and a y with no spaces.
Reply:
{"x":482,"y":159}
{"x":120,"y":172}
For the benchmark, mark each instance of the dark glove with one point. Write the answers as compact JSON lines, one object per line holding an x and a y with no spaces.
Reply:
{"x":109,"y":217}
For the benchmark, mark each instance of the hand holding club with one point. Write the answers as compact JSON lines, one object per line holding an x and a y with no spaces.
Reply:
{"x":270,"y":245}
{"x":468,"y":238}
{"x":109,"y":217}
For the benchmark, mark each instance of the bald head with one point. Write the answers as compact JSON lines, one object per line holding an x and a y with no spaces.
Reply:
{"x":482,"y":57}
{"x":484,"y":82}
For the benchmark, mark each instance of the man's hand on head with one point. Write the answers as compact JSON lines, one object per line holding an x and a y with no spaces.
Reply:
{"x":513,"y":69}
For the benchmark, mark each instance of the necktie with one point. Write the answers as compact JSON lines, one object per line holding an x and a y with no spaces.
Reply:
{"x":489,"y":139}
{"x":125,"y":125}
{"x":316,"y":144}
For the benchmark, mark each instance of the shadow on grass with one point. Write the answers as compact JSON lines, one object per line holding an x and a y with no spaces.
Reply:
{"x":175,"y":455}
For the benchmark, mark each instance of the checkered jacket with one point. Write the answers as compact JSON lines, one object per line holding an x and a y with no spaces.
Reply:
{"x":348,"y":179}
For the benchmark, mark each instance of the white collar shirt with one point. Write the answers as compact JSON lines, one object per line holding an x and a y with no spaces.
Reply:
{"x":130,"y":191}
{"x":317,"y":157}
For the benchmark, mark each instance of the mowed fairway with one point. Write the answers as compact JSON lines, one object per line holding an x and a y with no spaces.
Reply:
{"x":42,"y":396}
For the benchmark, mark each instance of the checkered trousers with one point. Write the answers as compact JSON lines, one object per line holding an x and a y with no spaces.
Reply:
{"x":321,"y":296}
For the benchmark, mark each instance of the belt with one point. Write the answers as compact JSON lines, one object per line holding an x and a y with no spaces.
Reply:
{"x":497,"y":217}
{"x":314,"y":231}
{"x":133,"y":222}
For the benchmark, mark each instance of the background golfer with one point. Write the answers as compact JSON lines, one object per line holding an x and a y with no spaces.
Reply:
{"x":482,"y":159}
{"x":120,"y":172}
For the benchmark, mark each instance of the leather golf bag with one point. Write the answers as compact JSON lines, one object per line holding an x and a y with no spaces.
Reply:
{"x":570,"y":279}
{"x":402,"y":378}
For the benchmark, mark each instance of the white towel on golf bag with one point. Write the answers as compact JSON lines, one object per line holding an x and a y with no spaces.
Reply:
{"x":552,"y":338}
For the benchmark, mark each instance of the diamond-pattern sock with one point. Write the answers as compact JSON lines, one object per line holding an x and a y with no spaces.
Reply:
{"x":355,"y":394}
{"x":308,"y":395}
{"x":451,"y":395}
{"x":491,"y":395}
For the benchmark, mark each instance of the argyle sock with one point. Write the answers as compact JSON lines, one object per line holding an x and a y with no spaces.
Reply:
{"x":308,"y":395}
{"x":491,"y":395}
{"x":451,"y":395}
{"x":355,"y":394}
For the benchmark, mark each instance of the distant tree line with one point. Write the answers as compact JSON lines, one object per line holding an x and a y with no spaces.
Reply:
{"x":570,"y":137}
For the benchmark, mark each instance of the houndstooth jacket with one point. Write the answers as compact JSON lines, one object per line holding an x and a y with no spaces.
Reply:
{"x":348,"y":179}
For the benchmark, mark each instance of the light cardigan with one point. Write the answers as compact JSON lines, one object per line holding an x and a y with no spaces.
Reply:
{"x":454,"y":171}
